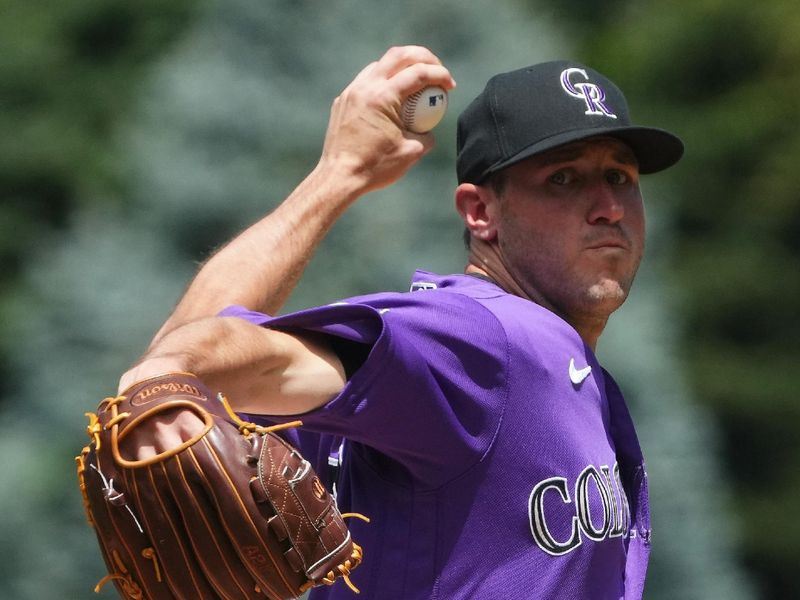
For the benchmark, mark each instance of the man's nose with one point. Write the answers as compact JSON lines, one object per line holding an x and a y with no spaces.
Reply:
{"x":606,"y":205}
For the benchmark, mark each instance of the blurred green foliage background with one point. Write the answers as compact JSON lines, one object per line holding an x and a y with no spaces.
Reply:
{"x":138,"y":136}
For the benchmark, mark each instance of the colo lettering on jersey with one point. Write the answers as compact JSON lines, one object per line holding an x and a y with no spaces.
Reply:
{"x":602,"y":484}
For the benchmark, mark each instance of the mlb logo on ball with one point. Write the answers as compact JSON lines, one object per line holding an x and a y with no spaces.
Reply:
{"x":423,"y":109}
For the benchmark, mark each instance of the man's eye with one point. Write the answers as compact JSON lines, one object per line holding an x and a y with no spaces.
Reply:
{"x":616,"y":178}
{"x":559,"y":178}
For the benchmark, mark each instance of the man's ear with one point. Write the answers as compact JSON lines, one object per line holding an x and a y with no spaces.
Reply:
{"x":477,"y":206}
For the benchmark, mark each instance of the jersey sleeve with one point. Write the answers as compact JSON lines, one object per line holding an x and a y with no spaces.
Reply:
{"x":432,"y":390}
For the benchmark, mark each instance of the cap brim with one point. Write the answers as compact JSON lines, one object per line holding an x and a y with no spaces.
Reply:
{"x":655,"y":149}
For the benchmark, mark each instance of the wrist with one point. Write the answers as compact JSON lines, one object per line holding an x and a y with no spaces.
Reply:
{"x":151,"y":367}
{"x":345,"y":180}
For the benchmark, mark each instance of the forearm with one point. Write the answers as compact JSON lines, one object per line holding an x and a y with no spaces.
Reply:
{"x":259,"y":268}
{"x":259,"y":370}
{"x":365,"y":149}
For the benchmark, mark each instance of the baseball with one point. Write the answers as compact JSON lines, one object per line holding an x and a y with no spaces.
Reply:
{"x":423,"y":110}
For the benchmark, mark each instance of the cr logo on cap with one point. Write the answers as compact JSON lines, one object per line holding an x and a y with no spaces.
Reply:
{"x":590,"y":93}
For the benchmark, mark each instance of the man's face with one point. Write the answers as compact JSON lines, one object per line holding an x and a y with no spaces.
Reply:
{"x":570,"y":226}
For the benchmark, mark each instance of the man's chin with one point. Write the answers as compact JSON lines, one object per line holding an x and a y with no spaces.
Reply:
{"x":607,"y":295}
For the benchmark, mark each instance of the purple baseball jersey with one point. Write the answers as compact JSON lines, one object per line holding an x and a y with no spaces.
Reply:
{"x":494,"y":455}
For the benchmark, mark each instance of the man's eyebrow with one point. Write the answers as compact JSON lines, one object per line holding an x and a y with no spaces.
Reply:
{"x":560,"y":155}
{"x":626,"y":157}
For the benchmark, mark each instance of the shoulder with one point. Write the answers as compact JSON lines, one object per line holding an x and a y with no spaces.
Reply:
{"x":445,"y":312}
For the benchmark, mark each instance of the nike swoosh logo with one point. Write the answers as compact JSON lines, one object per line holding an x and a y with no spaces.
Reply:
{"x":577,"y":376}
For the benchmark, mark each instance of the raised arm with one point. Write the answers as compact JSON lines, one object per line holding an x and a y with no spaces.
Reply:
{"x":365,"y":149}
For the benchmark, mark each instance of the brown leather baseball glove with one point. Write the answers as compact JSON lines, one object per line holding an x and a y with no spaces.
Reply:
{"x":227,"y":510}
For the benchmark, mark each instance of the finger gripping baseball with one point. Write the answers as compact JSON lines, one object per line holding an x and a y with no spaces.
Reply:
{"x":229,"y":510}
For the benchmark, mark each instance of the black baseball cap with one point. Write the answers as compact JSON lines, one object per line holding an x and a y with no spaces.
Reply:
{"x":528,"y":111}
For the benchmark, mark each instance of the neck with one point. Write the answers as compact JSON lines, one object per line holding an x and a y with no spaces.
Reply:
{"x":485,"y":259}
